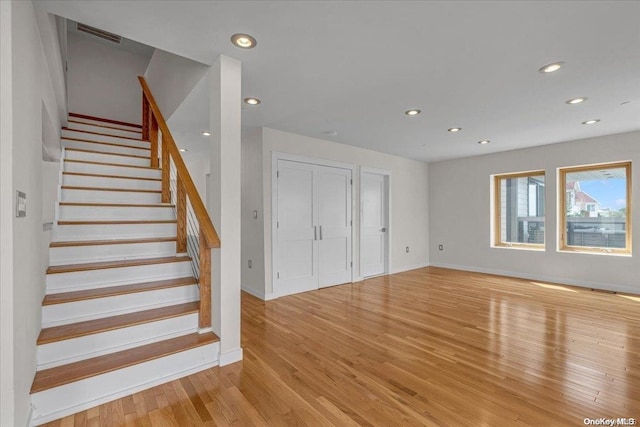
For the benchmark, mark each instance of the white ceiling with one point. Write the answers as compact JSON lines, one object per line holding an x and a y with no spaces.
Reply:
{"x":355,"y":67}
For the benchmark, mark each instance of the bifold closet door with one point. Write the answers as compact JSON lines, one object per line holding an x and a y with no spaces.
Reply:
{"x":334,"y":222}
{"x":296,"y":265}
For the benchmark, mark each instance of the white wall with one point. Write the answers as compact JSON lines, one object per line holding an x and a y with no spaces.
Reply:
{"x":171,"y":79}
{"x":103,"y":80}
{"x":27,"y":90}
{"x":409,"y":202}
{"x":460,"y":215}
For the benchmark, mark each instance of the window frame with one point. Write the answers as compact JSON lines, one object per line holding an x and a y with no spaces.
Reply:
{"x":562,"y":210}
{"x":497,"y":211}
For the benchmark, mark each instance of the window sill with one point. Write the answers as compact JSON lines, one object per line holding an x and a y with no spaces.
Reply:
{"x":520,"y":247}
{"x":595,"y":251}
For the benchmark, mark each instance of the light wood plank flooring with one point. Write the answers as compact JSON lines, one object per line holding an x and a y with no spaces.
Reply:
{"x":431,"y":347}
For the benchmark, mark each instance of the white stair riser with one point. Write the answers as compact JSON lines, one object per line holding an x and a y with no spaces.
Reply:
{"x":90,"y":213}
{"x":92,"y":279}
{"x":65,"y":400}
{"x":102,"y":123}
{"x":113,"y":231}
{"x":68,"y":133}
{"x":80,"y":311}
{"x":112,"y":170}
{"x":101,"y":129}
{"x":88,"y":346}
{"x":98,"y":196}
{"x":104,"y":182}
{"x":83,"y":145}
{"x":98,"y":253}
{"x":106,"y":158}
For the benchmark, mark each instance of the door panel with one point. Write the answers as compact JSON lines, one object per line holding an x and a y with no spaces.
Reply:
{"x":373,"y":222}
{"x":296,"y":269}
{"x":334,"y":218}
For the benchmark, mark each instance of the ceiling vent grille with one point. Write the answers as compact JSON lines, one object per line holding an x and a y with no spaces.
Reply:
{"x":99,"y":33}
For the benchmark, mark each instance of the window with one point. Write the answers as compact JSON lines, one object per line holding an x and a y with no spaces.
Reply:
{"x":519,"y":210}
{"x":596,"y":214}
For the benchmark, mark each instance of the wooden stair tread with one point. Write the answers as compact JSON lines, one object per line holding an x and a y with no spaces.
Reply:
{"x":88,"y":294}
{"x":121,"y":222}
{"x":106,"y":152}
{"x":77,"y":371}
{"x":63,"y":244}
{"x":102,"y":119}
{"x":121,"y":165}
{"x":103,"y":143}
{"x":114,"y":264}
{"x":103,"y":126}
{"x":111,"y":176}
{"x":126,"y":190}
{"x":104,"y":134}
{"x":118,"y":205}
{"x":89,"y":327}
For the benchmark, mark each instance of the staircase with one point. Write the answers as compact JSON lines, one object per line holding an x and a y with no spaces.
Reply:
{"x":121,"y":311}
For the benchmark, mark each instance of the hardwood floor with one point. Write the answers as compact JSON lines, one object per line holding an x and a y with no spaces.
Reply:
{"x":431,"y":347}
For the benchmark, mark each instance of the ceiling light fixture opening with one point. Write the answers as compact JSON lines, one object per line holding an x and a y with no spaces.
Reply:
{"x":243,"y":41}
{"x":454,"y":129}
{"x":413,"y":112}
{"x":252,"y":101}
{"x":591,"y":122}
{"x":550,"y":68}
{"x":576,"y":100}
{"x":206,"y":133}
{"x":484,"y":142}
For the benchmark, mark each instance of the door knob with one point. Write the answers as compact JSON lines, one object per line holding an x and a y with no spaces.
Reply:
{"x":383,"y":229}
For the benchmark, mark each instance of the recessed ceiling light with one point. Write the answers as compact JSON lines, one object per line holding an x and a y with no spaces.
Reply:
{"x":550,"y":68}
{"x":454,"y":129}
{"x":331,"y":133}
{"x":591,"y":122}
{"x":243,"y":41}
{"x":182,"y":150}
{"x":484,"y":141}
{"x":413,"y":112}
{"x":205,"y":133}
{"x":252,"y":101}
{"x":576,"y":100}
{"x":625,"y":103}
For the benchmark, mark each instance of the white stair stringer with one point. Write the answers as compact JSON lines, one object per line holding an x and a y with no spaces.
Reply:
{"x":105,"y":147}
{"x":92,"y":279}
{"x":97,"y":155}
{"x":62,"y":255}
{"x":115,"y":169}
{"x":85,"y":347}
{"x":70,"y":398}
{"x":98,"y":308}
{"x":99,"y":137}
{"x":108,"y":231}
{"x":114,"y":130}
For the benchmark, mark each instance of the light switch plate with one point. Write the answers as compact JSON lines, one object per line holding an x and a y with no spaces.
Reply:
{"x":21,"y":204}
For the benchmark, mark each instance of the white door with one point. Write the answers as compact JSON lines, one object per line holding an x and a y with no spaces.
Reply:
{"x":296,"y":263}
{"x":373,"y":224}
{"x":334,"y":225}
{"x":313,"y":227}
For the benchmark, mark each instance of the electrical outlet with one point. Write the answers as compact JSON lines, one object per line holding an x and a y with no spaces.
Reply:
{"x":250,"y":263}
{"x":406,"y":249}
{"x":441,"y":247}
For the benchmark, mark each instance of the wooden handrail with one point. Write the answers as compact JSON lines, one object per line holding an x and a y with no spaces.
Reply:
{"x":207,"y":229}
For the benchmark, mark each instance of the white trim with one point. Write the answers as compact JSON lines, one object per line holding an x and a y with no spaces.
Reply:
{"x":30,"y":416}
{"x":229,"y":357}
{"x":564,"y":280}
{"x":275,"y":156}
{"x":387,"y":183}
{"x":205,"y":330}
{"x":256,"y":293}
{"x":409,"y":267}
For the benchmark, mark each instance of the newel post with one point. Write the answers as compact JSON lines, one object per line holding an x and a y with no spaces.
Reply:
{"x":166,"y":191}
{"x":181,"y":214}
{"x":153,"y":138}
{"x":205,"y":284}
{"x":145,"y":118}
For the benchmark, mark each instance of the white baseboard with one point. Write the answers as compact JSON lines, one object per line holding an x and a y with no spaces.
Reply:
{"x":612,"y":287}
{"x":230,"y":357}
{"x":409,"y":267}
{"x":256,"y":293}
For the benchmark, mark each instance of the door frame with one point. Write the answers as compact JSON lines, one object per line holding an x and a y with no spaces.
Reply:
{"x":275,"y":157}
{"x":386,"y":174}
